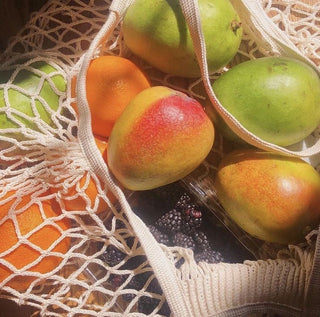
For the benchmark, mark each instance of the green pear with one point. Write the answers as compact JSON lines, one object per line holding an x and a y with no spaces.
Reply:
{"x":272,"y":197}
{"x":157,"y":32}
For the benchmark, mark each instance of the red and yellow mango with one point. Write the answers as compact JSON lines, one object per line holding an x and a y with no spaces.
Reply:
{"x":161,"y":136}
{"x":272,"y":197}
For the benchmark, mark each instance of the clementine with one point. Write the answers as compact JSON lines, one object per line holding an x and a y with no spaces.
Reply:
{"x":83,"y":195}
{"x":30,"y":232}
{"x":111,"y":83}
{"x":102,"y":145}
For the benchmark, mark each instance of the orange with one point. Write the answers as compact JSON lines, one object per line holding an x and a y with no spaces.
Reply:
{"x":43,"y":235}
{"x":102,"y":145}
{"x":84,"y":194}
{"x":103,"y":148}
{"x":74,"y":197}
{"x":6,"y":202}
{"x":112,"y":81}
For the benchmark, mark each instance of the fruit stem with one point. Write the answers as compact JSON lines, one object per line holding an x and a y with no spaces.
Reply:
{"x":235,"y":25}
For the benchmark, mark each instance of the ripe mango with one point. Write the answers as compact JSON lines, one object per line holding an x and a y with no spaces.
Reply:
{"x":161,"y":136}
{"x":276,"y":98}
{"x":157,"y":32}
{"x":272,"y":197}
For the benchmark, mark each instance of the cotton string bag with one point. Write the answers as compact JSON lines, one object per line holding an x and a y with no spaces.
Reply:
{"x":50,"y":159}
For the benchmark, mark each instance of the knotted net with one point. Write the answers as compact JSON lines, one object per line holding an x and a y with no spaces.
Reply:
{"x":47,"y":159}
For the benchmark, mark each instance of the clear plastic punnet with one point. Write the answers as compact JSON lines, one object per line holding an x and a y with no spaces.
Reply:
{"x":62,"y":212}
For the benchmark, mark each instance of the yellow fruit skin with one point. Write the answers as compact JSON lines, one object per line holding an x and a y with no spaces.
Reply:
{"x":272,"y":197}
{"x":157,"y":32}
{"x":161,"y":136}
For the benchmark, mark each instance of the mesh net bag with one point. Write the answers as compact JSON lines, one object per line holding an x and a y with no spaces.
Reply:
{"x":70,"y":243}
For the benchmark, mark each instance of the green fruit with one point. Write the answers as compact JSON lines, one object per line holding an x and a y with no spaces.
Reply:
{"x":157,"y":32}
{"x":272,"y":197}
{"x":35,"y":91}
{"x":161,"y":136}
{"x":276,"y":98}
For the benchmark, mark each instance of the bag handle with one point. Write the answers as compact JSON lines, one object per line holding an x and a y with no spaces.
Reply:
{"x":266,"y":32}
{"x":279,"y":41}
{"x":163,"y":268}
{"x":311,"y":299}
{"x":192,"y":15}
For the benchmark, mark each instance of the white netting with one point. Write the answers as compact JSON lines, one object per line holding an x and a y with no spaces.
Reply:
{"x":47,"y":178}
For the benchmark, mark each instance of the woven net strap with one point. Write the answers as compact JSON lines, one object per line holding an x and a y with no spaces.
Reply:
{"x":179,"y":298}
{"x":311,"y":301}
{"x":288,"y":284}
{"x":163,"y":268}
{"x":279,"y":42}
{"x":263,"y":30}
{"x":252,"y":287}
{"x":277,"y":39}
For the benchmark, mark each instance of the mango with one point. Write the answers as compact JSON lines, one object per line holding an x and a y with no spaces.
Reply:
{"x":157,"y":32}
{"x":161,"y":136}
{"x":35,"y":91}
{"x":276,"y":98}
{"x":272,"y":197}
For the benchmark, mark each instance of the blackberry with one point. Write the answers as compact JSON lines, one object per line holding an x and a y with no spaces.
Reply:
{"x":159,"y":236}
{"x":201,"y":240}
{"x":183,"y":202}
{"x":182,"y":240}
{"x":170,"y":222}
{"x":192,"y":219}
{"x":209,"y":256}
{"x":112,"y":256}
{"x":191,"y":215}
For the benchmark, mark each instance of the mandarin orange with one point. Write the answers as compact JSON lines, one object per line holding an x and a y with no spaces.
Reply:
{"x":102,"y":145}
{"x":84,"y":195}
{"x":111,"y":83}
{"x":30,"y":232}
